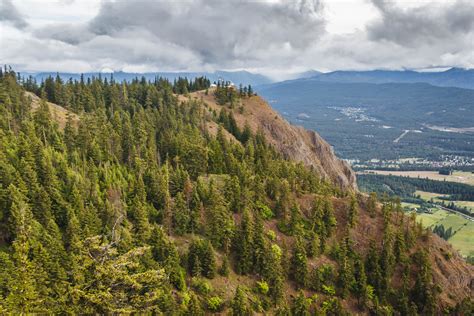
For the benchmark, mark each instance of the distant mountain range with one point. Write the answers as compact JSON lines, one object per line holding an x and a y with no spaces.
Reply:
{"x":237,"y":77}
{"x":454,"y":77}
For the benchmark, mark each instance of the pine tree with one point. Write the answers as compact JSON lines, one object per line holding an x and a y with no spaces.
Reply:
{"x":344,"y":276}
{"x":249,"y":91}
{"x":208,"y":260}
{"x":219,"y":224}
{"x":260,"y":247}
{"x":423,"y":293}
{"x":299,"y":264}
{"x":244,"y":245}
{"x":224,"y":270}
{"x":372,"y":204}
{"x":353,"y":211}
{"x":195,"y":207}
{"x":23,"y":296}
{"x":181,"y":215}
{"x":360,"y":282}
{"x":313,"y":245}
{"x":194,"y":306}
{"x":139,"y":212}
{"x":329,"y":219}
{"x":301,"y":305}
{"x":372,"y":267}
{"x":201,"y":259}
{"x":239,"y":304}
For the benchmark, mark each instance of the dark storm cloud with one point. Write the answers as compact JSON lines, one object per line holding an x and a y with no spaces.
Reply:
{"x":216,"y":32}
{"x":10,"y":14}
{"x":452,"y":21}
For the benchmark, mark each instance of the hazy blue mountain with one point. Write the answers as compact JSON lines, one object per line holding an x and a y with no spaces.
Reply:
{"x":308,"y":74}
{"x":363,"y":120}
{"x":454,"y":77}
{"x":237,"y":77}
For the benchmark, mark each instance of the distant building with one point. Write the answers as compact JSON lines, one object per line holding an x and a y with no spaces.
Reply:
{"x":446,"y":171}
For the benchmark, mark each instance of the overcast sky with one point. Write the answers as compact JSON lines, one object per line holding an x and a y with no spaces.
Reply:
{"x":271,"y":37}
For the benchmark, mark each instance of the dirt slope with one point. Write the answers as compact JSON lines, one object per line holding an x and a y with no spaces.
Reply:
{"x":294,"y":142}
{"x":58,"y":113}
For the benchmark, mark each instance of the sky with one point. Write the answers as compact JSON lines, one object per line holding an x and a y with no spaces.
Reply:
{"x":275,"y":38}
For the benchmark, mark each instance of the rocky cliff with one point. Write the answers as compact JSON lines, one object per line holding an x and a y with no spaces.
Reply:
{"x":294,"y":142}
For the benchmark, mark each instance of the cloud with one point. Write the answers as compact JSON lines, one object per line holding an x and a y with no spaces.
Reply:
{"x":222,"y":33}
{"x":10,"y":14}
{"x":274,"y":37}
{"x":424,"y":25}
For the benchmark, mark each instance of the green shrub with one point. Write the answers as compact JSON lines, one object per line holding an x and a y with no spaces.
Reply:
{"x":201,"y":286}
{"x":262,"y":287}
{"x":264,"y":210}
{"x":215,"y":303}
{"x":329,"y":290}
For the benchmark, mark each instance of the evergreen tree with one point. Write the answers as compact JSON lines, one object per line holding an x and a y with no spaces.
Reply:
{"x":299,"y":264}
{"x":181,"y":215}
{"x":372,"y":204}
{"x":360,"y":282}
{"x":353,"y":211}
{"x":244,"y":245}
{"x":194,"y":306}
{"x":239,"y":305}
{"x":301,"y":305}
{"x":23,"y":296}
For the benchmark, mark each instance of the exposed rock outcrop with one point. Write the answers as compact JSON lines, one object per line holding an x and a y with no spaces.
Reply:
{"x":294,"y":142}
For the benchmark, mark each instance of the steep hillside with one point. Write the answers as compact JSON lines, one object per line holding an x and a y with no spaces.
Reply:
{"x":294,"y":142}
{"x":163,"y":204}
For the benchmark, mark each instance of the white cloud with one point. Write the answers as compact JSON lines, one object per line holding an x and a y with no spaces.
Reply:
{"x":272,"y":37}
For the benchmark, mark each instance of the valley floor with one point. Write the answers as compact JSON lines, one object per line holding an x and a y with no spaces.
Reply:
{"x":457,"y":176}
{"x":463,"y":228}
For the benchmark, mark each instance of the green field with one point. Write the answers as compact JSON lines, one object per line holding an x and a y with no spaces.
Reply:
{"x":428,"y":196}
{"x":456,"y":222}
{"x":468,"y":204}
{"x":430,"y":220}
{"x":463,"y":229}
{"x":457,"y":176}
{"x":463,"y":240}
{"x":410,"y":206}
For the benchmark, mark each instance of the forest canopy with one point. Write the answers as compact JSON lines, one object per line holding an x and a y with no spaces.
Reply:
{"x":136,"y":207}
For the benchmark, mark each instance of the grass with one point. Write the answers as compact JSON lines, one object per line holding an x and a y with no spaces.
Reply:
{"x":454,"y":221}
{"x":429,"y":220}
{"x":463,"y":240}
{"x":468,"y":204}
{"x":457,"y":176}
{"x":429,"y":195}
{"x":463,"y":229}
{"x":410,"y":206}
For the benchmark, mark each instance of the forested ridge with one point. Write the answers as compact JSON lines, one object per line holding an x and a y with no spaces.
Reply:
{"x":406,"y":186}
{"x":136,"y":207}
